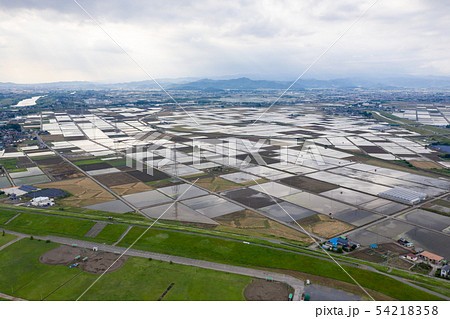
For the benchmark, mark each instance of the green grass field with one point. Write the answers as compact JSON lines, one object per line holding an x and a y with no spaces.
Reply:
{"x":6,"y":215}
{"x":22,"y":275}
{"x":34,"y":224}
{"x":9,"y":163}
{"x":237,"y":253}
{"x":111,"y":233}
{"x":6,"y":238}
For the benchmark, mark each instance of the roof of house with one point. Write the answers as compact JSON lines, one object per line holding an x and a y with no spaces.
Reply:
{"x":333,"y":240}
{"x":411,"y":255}
{"x":48,"y":192}
{"x":431,"y":255}
{"x":27,"y":188}
{"x":446,"y":268}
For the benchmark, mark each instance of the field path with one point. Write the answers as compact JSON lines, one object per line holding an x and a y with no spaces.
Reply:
{"x":123,"y":235}
{"x":19,"y":237}
{"x":12,"y":218}
{"x":11,"y":297}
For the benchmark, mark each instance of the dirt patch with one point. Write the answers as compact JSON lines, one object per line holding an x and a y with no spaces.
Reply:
{"x":394,"y":248}
{"x":250,"y":197}
{"x":324,"y":226}
{"x":144,"y":177}
{"x":425,"y":164}
{"x":24,"y":162}
{"x":368,"y":254}
{"x":49,"y":161}
{"x":96,"y":263}
{"x":373,"y":149}
{"x":387,"y":252}
{"x":263,"y":290}
{"x":309,"y":184}
{"x":216,"y":184}
{"x":52,"y":138}
{"x":62,"y":171}
{"x":95,"y":166}
{"x":253,"y":224}
{"x":84,"y":192}
{"x":62,"y":255}
{"x":115,"y":179}
{"x":132,"y":188}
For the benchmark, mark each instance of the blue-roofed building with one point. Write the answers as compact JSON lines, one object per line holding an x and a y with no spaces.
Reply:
{"x":27,"y":188}
{"x":48,"y":192}
{"x":333,"y":241}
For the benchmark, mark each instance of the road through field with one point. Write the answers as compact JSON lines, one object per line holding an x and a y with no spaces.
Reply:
{"x":295,"y":283}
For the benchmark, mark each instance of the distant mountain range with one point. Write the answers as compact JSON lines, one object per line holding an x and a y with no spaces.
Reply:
{"x":243,"y":83}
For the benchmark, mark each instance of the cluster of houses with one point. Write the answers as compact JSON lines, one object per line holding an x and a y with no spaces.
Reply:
{"x":426,"y":257}
{"x":421,"y":255}
{"x":12,"y":134}
{"x":340,"y":244}
{"x":39,"y":198}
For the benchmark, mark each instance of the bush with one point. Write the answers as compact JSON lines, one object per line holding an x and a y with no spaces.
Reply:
{"x":3,"y":233}
{"x":171,"y":262}
{"x":47,"y":241}
{"x":150,"y":258}
{"x":31,"y":237}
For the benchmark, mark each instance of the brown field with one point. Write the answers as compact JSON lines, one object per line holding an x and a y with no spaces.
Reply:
{"x":52,"y":138}
{"x":324,"y":226}
{"x":97,"y":262}
{"x":385,"y":253}
{"x":84,"y":192}
{"x":132,"y":188}
{"x":386,"y":164}
{"x":116,"y":179}
{"x":258,"y":181}
{"x":309,"y":184}
{"x":263,"y":290}
{"x":62,"y":171}
{"x":216,"y":184}
{"x":425,"y":164}
{"x":253,"y":224}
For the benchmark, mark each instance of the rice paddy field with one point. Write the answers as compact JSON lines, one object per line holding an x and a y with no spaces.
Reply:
{"x":325,"y":173}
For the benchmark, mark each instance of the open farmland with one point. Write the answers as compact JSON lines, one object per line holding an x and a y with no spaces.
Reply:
{"x":83,"y":190}
{"x":224,"y":193}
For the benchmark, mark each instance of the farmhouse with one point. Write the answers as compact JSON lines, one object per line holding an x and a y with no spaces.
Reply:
{"x":341,"y":242}
{"x":430,"y":257}
{"x":411,"y":257}
{"x":445,"y":271}
{"x":42,"y":202}
{"x":405,"y":243}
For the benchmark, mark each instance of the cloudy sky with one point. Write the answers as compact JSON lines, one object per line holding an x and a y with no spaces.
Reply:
{"x":54,"y":40}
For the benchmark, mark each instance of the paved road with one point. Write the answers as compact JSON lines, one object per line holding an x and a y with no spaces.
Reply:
{"x":351,"y":261}
{"x":293,"y":282}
